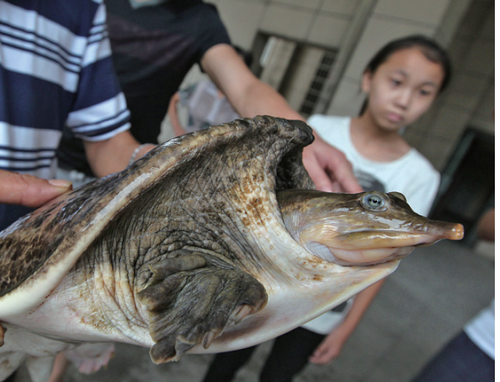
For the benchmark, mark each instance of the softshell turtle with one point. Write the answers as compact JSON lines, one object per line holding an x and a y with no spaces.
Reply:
{"x":214,"y":241}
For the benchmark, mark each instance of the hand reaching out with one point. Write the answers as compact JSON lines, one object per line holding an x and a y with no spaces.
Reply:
{"x":28,"y":190}
{"x":328,"y":168}
{"x":330,"y":348}
{"x":332,"y":344}
{"x":90,"y":357}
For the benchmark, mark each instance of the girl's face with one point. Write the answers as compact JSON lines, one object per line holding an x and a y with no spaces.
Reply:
{"x":402,"y":88}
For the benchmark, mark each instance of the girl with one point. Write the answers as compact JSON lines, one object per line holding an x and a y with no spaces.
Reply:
{"x":401,"y":81}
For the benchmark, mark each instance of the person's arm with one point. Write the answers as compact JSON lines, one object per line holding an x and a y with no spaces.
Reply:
{"x":28,"y":190}
{"x":113,"y":154}
{"x":332,"y":345}
{"x":328,"y":167}
{"x":173,"y":115}
{"x":247,"y":94}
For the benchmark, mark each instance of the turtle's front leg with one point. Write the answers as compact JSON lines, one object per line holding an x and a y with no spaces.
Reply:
{"x":190,"y":302}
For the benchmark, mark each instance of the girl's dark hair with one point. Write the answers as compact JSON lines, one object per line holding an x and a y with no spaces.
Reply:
{"x":431,"y":50}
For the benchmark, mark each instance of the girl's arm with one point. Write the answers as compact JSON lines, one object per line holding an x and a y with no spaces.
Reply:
{"x":332,"y":345}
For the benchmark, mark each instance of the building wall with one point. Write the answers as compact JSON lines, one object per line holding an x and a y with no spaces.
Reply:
{"x":321,"y":22}
{"x":388,"y":20}
{"x":469,"y":100}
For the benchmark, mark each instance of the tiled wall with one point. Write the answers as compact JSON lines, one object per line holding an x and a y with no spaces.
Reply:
{"x":322,"y":22}
{"x":357,"y":28}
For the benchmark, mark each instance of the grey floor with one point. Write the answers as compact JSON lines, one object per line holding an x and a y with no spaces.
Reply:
{"x":420,"y":307}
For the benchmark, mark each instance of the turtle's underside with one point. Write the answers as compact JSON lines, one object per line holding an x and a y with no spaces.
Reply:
{"x":186,"y":247}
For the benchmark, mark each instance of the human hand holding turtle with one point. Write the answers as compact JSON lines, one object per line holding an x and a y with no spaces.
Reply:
{"x":328,"y":168}
{"x":28,"y":190}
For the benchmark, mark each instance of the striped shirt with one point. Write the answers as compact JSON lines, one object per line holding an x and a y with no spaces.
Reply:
{"x":55,"y":71}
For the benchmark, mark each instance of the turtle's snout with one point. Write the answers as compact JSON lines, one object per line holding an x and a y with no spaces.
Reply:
{"x":456,"y":232}
{"x":439,"y":230}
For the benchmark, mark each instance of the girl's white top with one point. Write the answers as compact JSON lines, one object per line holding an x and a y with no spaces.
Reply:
{"x":412,"y":175}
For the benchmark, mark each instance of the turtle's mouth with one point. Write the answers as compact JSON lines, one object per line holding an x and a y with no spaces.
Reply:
{"x":370,"y":247}
{"x":369,"y":256}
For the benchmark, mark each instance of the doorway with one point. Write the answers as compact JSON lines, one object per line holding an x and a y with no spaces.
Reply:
{"x":467,"y":183}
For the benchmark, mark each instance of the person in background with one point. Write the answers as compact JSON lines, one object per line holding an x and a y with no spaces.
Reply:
{"x":470,"y":355}
{"x":51,"y":59}
{"x":401,"y":82}
{"x":154,"y":45}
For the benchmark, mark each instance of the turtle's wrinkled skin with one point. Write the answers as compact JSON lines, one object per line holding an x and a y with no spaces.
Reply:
{"x":215,"y":240}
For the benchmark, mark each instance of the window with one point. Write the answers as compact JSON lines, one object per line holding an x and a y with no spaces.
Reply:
{"x":296,"y":70}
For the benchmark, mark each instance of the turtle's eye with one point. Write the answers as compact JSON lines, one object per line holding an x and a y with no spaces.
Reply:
{"x":374,"y":202}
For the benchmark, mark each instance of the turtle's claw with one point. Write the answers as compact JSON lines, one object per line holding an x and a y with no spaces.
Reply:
{"x":167,"y":349}
{"x":208,"y":338}
{"x":223,"y":297}
{"x":240,"y":314}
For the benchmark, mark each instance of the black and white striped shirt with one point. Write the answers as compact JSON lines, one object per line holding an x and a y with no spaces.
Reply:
{"x":55,"y":70}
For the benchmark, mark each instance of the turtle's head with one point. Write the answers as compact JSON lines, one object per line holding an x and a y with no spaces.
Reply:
{"x":359,"y":229}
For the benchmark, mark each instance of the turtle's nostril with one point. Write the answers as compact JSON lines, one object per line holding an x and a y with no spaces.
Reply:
{"x":456,"y":233}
